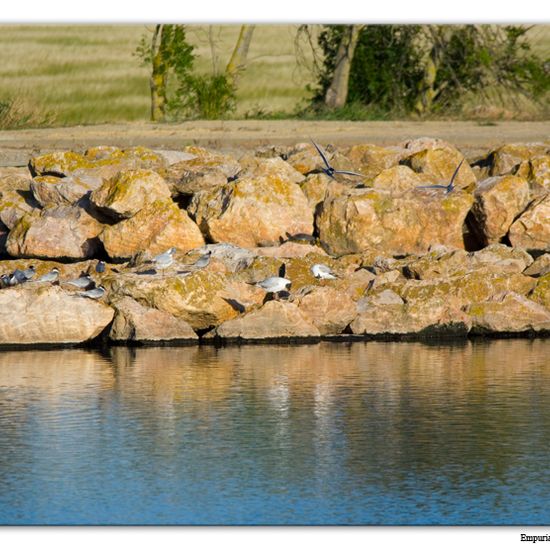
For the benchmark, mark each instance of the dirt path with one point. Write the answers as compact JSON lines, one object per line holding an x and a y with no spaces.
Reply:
{"x":16,"y":146}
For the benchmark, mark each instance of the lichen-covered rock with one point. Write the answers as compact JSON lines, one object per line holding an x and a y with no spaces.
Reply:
{"x":536,"y":171}
{"x":497,"y":257}
{"x":440,"y":164}
{"x":256,"y":167}
{"x":370,"y":160}
{"x":540,"y":267}
{"x":274,"y":320}
{"x":289,"y":249}
{"x":54,"y":191}
{"x":128,"y":192}
{"x":135,"y":322}
{"x":155,"y":228}
{"x":206,"y":158}
{"x":186,"y":180}
{"x":253,"y":212}
{"x":355,"y":284}
{"x":506,"y":158}
{"x":541,"y":292}
{"x":203,"y":298}
{"x":317,"y":187}
{"x":498,"y":201}
{"x":374,"y":220}
{"x":329,"y":309}
{"x":46,"y":314}
{"x":508,"y":313}
{"x":532,"y":229}
{"x":433,"y":318}
{"x":65,"y":232}
{"x":16,"y":198}
{"x":400,"y":179}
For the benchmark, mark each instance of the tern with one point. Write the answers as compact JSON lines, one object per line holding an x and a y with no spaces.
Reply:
{"x":448,"y":188}
{"x":100,"y":267}
{"x":203,"y":261}
{"x":329,"y":170}
{"x":274,"y":284}
{"x":93,"y":293}
{"x":82,"y":282}
{"x":50,"y":277}
{"x":322,"y":271}
{"x":164,"y":260}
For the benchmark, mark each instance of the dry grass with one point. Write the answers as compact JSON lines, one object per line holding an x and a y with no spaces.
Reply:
{"x":88,"y":74}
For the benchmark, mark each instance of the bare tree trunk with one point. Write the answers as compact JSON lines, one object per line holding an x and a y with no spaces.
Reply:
{"x":237,"y":62}
{"x":158,"y":77}
{"x":337,"y":92}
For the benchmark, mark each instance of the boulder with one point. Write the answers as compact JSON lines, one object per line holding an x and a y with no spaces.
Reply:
{"x":135,"y":322}
{"x":433,"y":318}
{"x":541,"y":292}
{"x":540,"y":267}
{"x":400,"y":179}
{"x":508,"y":313}
{"x":257,"y":167}
{"x":508,"y":157}
{"x":274,"y":320}
{"x":370,"y":160}
{"x":128,"y":192}
{"x":16,"y":198}
{"x":253,"y":212}
{"x":66,"y":232}
{"x":203,"y":298}
{"x":329,"y":309}
{"x":289,"y":249}
{"x":46,"y":314}
{"x":365,"y":220}
{"x":67,"y":191}
{"x":206,"y":158}
{"x":155,"y":228}
{"x":317,"y":187}
{"x":440,"y":165}
{"x":536,"y":171}
{"x":186,"y":180}
{"x":498,"y":201}
{"x":532,"y":229}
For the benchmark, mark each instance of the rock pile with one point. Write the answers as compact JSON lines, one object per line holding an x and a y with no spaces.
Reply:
{"x":409,"y":260}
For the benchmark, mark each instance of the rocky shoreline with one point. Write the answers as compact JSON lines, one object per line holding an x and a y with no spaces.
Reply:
{"x":409,"y":261}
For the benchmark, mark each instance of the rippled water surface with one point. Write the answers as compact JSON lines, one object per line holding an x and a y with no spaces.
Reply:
{"x":333,"y":433}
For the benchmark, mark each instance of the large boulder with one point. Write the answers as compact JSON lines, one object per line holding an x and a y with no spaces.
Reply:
{"x":508,"y":313}
{"x":274,"y":320}
{"x":66,"y":232}
{"x":329,"y":309}
{"x":138,"y":323}
{"x":155,"y":228}
{"x":508,"y":157}
{"x":498,"y":201}
{"x":400,"y":179}
{"x":16,"y":198}
{"x":256,"y":167}
{"x":376,"y":220}
{"x":370,"y":160}
{"x":127,"y":193}
{"x":251,"y":212}
{"x":541,"y":292}
{"x":67,"y":191}
{"x":203,"y":298}
{"x":532,"y":229}
{"x":45,"y":314}
{"x":536,"y":171}
{"x":432,"y":318}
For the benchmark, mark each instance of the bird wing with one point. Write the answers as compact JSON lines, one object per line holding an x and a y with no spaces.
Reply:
{"x":322,"y":155}
{"x":450,"y":186}
{"x":431,"y":186}
{"x":349,"y":173}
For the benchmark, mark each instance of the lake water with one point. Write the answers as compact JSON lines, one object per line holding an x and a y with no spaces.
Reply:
{"x":332,"y":433}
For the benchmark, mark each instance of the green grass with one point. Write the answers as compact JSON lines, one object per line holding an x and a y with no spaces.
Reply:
{"x":87,"y":74}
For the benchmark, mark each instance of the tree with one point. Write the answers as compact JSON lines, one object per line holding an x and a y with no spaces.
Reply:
{"x":167,"y":53}
{"x":337,"y":93}
{"x":237,"y":61}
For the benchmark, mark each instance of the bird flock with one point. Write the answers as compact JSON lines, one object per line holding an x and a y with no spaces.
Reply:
{"x":271,"y":285}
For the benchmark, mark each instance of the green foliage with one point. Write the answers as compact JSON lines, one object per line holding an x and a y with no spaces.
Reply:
{"x":209,"y":97}
{"x":397,"y":68}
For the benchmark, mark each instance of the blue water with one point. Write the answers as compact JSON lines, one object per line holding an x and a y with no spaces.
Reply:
{"x":332,"y":433}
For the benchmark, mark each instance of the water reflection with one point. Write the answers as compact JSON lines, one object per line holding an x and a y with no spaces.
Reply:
{"x":327,"y":433}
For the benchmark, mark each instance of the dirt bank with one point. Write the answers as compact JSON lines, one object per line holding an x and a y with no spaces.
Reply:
{"x":473,"y":137}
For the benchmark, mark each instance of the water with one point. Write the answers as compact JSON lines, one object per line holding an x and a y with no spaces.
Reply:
{"x":363,"y":433}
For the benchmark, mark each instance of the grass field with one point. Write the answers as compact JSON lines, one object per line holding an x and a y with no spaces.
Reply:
{"x":88,"y":74}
